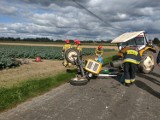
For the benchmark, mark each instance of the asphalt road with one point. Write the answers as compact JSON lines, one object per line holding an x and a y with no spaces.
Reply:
{"x":100,"y":99}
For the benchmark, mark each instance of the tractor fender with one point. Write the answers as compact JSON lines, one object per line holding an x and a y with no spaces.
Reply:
{"x":147,"y":49}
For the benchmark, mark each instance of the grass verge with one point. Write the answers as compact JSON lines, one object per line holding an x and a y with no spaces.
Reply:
{"x":111,"y":56}
{"x":10,"y":97}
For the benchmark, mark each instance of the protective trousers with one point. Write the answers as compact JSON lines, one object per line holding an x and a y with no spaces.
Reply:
{"x":129,"y":72}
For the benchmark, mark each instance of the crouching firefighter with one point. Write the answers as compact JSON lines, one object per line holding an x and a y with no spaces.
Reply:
{"x":131,"y":60}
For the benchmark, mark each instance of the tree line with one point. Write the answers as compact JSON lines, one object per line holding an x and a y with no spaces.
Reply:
{"x":44,"y":39}
{"x":156,"y":41}
{"x":48,"y":40}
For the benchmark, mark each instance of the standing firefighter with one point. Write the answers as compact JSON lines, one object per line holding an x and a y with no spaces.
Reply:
{"x":99,"y":54}
{"x":131,"y":60}
{"x":99,"y":51}
{"x":78,"y":47}
{"x":158,"y":59}
{"x":66,"y":47}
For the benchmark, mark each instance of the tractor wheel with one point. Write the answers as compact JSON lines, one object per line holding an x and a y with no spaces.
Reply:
{"x":78,"y":81}
{"x":147,"y":63}
{"x":71,"y":55}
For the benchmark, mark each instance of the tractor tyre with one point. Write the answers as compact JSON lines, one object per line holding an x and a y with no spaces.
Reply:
{"x":71,"y":55}
{"x":79,"y":81}
{"x":147,"y":62}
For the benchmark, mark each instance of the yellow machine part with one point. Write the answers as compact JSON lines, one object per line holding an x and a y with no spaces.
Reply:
{"x":144,"y":49}
{"x":93,"y":66}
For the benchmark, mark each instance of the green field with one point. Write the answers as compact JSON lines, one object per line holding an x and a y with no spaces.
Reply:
{"x":8,"y":53}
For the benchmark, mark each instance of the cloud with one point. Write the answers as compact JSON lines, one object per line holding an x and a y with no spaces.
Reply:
{"x":92,"y":19}
{"x":7,"y":9}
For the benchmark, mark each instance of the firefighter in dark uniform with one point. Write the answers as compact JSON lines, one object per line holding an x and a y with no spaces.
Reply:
{"x":158,"y":59}
{"x":131,"y":60}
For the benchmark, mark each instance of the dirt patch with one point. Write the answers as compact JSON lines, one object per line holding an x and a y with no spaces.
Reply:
{"x":33,"y":70}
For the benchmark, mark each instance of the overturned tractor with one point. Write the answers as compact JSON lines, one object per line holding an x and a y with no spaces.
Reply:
{"x":86,"y":69}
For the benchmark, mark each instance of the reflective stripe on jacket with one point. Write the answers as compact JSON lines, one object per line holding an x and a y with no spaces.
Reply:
{"x":131,"y":60}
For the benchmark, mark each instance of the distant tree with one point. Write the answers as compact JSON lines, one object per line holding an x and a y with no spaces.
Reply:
{"x":59,"y":41}
{"x":108,"y":41}
{"x":102,"y":41}
{"x":156,"y":41}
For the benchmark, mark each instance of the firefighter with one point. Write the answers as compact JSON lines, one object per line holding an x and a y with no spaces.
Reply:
{"x":66,"y":47}
{"x":131,"y":60}
{"x":78,"y":47}
{"x":158,"y":59}
{"x":99,"y":51}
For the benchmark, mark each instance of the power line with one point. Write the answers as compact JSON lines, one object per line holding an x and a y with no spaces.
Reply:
{"x":105,"y":23}
{"x":91,"y":12}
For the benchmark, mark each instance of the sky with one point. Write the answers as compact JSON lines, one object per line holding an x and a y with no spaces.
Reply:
{"x":78,"y":19}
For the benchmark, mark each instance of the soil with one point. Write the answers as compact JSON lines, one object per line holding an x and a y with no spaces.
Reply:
{"x":32,"y":70}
